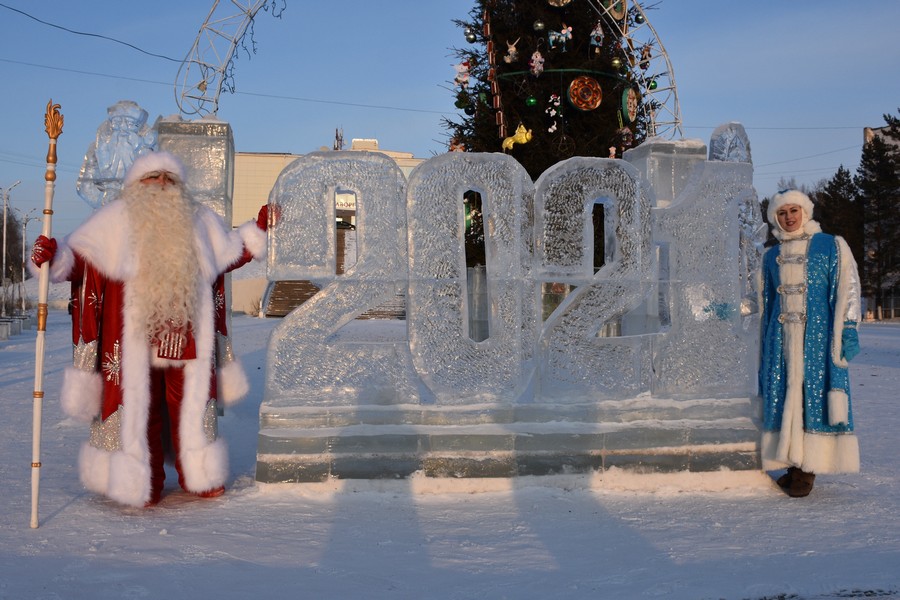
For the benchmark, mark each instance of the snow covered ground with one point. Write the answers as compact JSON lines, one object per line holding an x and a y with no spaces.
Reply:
{"x":720,"y":535}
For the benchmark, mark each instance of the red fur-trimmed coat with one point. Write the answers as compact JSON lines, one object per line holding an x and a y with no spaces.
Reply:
{"x":108,"y":384}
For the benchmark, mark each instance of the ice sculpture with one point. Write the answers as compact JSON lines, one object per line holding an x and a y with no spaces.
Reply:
{"x":647,"y":363}
{"x":206,"y":147}
{"x":457,"y":369}
{"x":121,"y":138}
{"x":316,"y":356}
{"x":576,"y":362}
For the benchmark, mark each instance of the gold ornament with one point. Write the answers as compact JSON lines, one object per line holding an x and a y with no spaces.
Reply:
{"x":521,"y":136}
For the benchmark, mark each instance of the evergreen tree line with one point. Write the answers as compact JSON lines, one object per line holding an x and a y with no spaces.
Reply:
{"x":865,"y":210}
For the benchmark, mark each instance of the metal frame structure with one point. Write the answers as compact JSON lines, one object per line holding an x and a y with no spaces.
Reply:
{"x":655,"y":78}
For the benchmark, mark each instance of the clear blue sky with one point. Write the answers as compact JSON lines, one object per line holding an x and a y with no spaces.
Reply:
{"x":803,"y":77}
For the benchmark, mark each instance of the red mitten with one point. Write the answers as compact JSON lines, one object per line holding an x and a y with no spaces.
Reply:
{"x":43,"y":251}
{"x":262,"y":219}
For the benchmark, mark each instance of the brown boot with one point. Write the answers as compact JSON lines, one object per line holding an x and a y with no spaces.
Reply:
{"x":801,"y":484}
{"x":785,"y":480}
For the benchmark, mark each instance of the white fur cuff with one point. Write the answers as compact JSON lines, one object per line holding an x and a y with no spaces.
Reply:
{"x":255,"y":239}
{"x":838,"y":408}
{"x":233,"y":384}
{"x":205,"y":468}
{"x":82,"y":394}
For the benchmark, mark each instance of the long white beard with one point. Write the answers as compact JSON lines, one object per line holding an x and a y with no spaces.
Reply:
{"x":161,"y":223}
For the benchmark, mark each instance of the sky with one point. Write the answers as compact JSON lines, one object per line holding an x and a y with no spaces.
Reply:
{"x":678,"y":536}
{"x":803,"y":78}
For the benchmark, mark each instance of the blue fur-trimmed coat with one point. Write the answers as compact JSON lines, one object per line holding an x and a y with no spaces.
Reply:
{"x":803,"y":376}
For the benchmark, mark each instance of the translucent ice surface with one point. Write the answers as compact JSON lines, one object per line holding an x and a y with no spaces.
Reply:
{"x":593,"y":291}
{"x":310,"y":360}
{"x":577,"y":360}
{"x":455,"y":367}
{"x":121,"y":138}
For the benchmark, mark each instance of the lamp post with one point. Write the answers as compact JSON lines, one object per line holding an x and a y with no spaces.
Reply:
{"x":25,"y":218}
{"x":3,"y":275}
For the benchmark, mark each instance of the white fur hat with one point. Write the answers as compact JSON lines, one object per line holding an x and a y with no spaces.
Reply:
{"x":789,"y":197}
{"x":154,"y":161}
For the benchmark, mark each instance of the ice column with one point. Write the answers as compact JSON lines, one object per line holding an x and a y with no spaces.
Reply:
{"x":316,"y":356}
{"x":206,"y":147}
{"x":577,"y":363}
{"x":707,"y":233}
{"x":457,"y":369}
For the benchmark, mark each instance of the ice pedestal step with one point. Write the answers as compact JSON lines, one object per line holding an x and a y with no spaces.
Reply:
{"x":303,"y":444}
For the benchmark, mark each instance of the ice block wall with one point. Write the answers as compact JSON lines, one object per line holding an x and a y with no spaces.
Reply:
{"x":646,"y":363}
{"x":206,"y":147}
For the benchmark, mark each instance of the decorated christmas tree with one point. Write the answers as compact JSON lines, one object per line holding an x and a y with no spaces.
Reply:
{"x":545,"y":80}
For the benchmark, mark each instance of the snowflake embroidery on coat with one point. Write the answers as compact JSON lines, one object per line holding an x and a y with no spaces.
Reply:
{"x":94,"y":300}
{"x":112,"y":364}
{"x":220,"y":301}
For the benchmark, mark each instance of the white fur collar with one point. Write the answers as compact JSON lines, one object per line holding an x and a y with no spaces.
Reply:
{"x":809,"y":228}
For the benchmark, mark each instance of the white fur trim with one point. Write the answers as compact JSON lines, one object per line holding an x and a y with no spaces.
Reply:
{"x":789,"y":197}
{"x":838,"y":408}
{"x":154,"y":161}
{"x":233,"y":384}
{"x":103,"y":240}
{"x":93,"y":468}
{"x":114,"y":474}
{"x":254,"y":238}
{"x":129,"y":479}
{"x":831,"y":454}
{"x":823,"y":453}
{"x":217,"y":246}
{"x":205,"y":468}
{"x":768,"y":446}
{"x":81,"y":395}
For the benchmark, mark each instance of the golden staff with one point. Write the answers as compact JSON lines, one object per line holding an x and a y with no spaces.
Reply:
{"x":53,"y":124}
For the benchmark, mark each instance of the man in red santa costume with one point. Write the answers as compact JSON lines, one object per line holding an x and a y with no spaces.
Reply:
{"x":148,"y":324}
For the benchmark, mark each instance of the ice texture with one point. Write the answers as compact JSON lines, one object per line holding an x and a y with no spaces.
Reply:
{"x":310,"y":360}
{"x":709,"y":349}
{"x":576,"y":362}
{"x":663,"y":314}
{"x":635,"y":362}
{"x":206,"y":147}
{"x":729,"y":143}
{"x":121,"y":138}
{"x":456,"y":368}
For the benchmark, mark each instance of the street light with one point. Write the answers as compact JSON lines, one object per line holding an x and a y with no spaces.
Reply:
{"x":25,"y":218}
{"x":3,"y":274}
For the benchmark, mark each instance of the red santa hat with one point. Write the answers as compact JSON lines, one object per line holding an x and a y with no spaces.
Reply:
{"x":154,"y":162}
{"x":785,"y":197}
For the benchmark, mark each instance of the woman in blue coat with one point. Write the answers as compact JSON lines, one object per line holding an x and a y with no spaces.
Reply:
{"x":810,"y":303}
